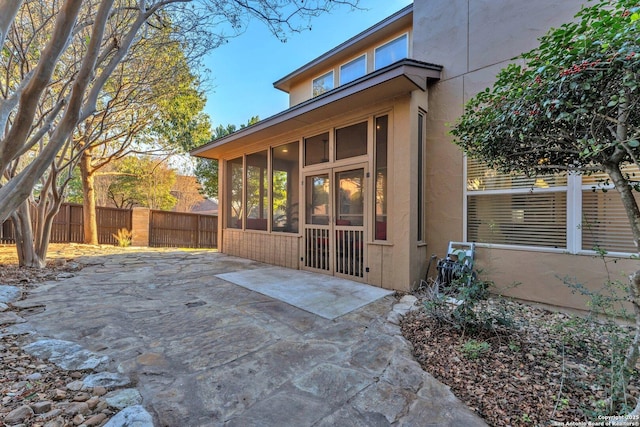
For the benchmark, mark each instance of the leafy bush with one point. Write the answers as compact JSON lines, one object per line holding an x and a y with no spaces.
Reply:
{"x":456,"y":303}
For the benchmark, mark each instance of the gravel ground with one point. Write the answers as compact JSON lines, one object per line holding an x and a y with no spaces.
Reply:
{"x":545,"y":367}
{"x":35,"y":392}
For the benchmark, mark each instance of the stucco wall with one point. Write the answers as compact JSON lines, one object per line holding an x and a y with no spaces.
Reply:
{"x":400,"y":206}
{"x":391,"y":263}
{"x":538,"y":276}
{"x":473,"y":40}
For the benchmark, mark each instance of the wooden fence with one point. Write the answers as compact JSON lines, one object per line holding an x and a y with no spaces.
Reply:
{"x":184,"y":230}
{"x":68,"y":223}
{"x":166,"y":229}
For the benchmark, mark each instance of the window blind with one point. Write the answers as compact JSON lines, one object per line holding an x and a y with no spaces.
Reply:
{"x":604,"y":222}
{"x":481,"y":178}
{"x":599,"y":180}
{"x":525,"y":219}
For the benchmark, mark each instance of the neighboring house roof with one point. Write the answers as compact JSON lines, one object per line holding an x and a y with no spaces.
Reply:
{"x":206,"y":207}
{"x":401,"y":77}
{"x":345,"y":50}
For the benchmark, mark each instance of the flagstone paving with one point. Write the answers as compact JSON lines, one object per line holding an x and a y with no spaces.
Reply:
{"x":202,"y":351}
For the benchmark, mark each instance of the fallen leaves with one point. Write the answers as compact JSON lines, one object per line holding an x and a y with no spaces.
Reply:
{"x":547,"y":367}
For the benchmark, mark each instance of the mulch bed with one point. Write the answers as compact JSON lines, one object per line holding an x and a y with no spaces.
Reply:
{"x":543,"y":367}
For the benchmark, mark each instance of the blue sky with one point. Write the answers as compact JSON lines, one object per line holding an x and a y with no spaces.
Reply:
{"x":242,"y":71}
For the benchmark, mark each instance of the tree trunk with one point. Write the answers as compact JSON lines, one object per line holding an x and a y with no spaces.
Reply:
{"x":628,"y":201}
{"x":90,"y":223}
{"x":46,"y":217}
{"x":633,"y":215}
{"x":8,"y":11}
{"x":15,"y":138}
{"x":632,"y":353}
{"x":25,"y":245}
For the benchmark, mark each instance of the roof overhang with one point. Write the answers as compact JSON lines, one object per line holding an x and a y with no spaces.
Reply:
{"x":397,"y":79}
{"x":344,"y":51}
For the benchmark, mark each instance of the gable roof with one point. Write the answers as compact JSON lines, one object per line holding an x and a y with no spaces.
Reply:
{"x":344,"y":50}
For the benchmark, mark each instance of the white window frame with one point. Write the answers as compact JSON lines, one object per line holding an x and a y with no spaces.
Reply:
{"x":341,"y":82}
{"x":322,"y":76}
{"x":580,"y":189}
{"x":375,"y":51}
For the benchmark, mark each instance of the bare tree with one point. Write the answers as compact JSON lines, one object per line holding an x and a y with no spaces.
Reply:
{"x":59,"y":55}
{"x":140,"y":115}
{"x":187,"y":192}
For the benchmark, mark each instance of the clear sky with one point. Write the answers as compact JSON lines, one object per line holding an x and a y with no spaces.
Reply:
{"x":242,"y":71}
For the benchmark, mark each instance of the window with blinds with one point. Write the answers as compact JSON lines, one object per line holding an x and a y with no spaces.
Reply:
{"x":604,"y":222}
{"x":523,"y":211}
{"x":518,"y":219}
{"x":481,"y":178}
{"x":514,"y":209}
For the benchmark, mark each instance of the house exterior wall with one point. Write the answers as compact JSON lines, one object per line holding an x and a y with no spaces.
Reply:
{"x":281,"y":249}
{"x":301,"y":90}
{"x":418,"y":246}
{"x":473,"y":40}
{"x":391,"y":263}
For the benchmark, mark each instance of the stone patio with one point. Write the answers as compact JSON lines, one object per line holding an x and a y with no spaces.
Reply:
{"x":203,"y":351}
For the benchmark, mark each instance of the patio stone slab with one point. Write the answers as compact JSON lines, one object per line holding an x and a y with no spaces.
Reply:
{"x":133,"y":416}
{"x":326,"y":296}
{"x":9,"y":293}
{"x":65,"y":354}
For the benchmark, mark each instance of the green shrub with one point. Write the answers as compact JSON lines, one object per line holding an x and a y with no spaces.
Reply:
{"x":474,"y":349}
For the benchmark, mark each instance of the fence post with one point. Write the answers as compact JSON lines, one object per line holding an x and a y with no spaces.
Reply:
{"x":68,"y":222}
{"x":197,"y":231}
{"x":140,"y":218}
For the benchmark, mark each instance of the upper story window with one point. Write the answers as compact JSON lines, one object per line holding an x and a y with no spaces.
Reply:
{"x":391,"y":52}
{"x":323,"y":83}
{"x":353,"y":69}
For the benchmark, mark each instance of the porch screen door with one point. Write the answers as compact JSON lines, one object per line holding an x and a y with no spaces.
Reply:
{"x":335,"y":222}
{"x":318,"y":222}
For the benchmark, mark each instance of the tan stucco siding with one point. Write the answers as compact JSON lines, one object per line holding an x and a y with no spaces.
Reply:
{"x":418,"y":247}
{"x":467,"y":35}
{"x":473,"y":40}
{"x":538,"y":276}
{"x":444,"y":169}
{"x":395,"y":261}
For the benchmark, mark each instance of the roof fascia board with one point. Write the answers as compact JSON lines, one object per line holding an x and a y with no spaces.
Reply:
{"x":419,"y":73}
